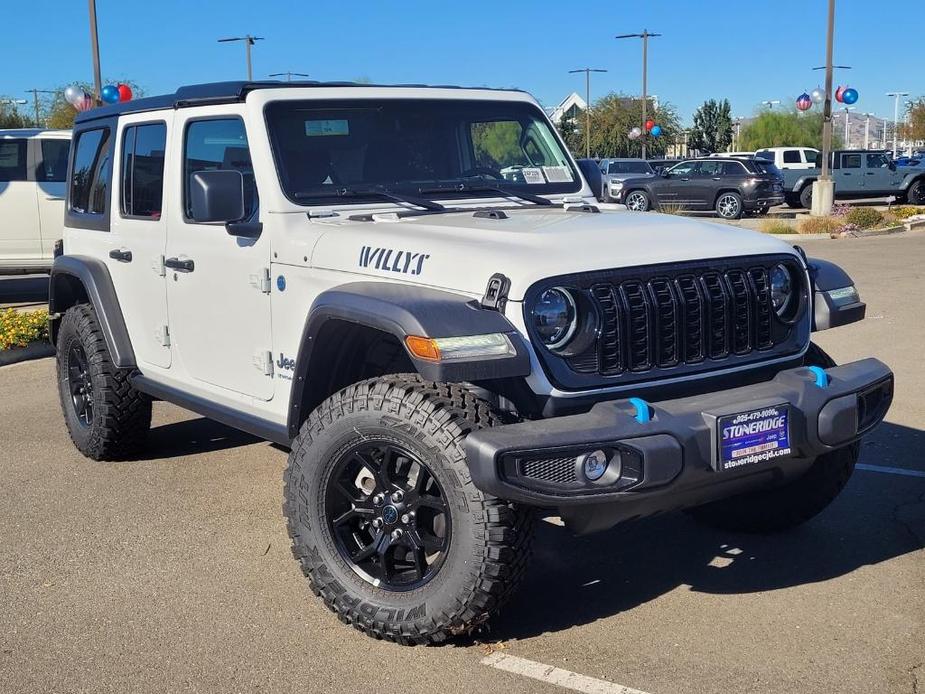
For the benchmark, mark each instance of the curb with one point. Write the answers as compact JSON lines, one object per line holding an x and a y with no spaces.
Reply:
{"x":34,"y":350}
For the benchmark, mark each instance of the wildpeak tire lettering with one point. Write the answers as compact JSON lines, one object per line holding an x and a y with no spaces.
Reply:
{"x":404,"y":262}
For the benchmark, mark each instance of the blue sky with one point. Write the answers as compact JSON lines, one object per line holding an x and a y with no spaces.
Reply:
{"x":748,"y":51}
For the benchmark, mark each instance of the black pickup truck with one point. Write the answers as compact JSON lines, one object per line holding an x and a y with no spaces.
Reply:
{"x":857,"y":173}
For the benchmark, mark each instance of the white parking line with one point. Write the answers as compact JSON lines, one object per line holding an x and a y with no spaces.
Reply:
{"x":890,"y":470}
{"x":554,"y":675}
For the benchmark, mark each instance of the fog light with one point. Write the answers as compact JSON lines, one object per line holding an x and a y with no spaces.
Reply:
{"x":593,"y":465}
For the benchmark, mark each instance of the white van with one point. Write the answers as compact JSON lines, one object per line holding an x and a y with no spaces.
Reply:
{"x":33,"y":169}
{"x":790,"y":157}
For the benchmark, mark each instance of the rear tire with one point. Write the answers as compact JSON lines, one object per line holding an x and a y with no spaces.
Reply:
{"x":106,"y":417}
{"x":729,"y":205}
{"x":806,"y":197}
{"x":916,"y":193}
{"x":794,"y":503}
{"x":363,"y":551}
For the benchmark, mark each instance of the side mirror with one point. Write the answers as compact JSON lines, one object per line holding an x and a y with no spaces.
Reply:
{"x":892,"y":166}
{"x":216,"y":196}
{"x":665,"y":173}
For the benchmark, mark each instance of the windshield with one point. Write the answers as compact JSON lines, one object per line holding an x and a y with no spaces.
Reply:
{"x":628,"y":167}
{"x":326,"y":149}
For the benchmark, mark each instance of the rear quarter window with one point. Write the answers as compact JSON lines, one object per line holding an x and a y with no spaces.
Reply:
{"x":12,"y":160}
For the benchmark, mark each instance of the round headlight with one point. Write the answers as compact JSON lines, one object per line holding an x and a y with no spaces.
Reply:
{"x":781,"y":288}
{"x":555,"y":317}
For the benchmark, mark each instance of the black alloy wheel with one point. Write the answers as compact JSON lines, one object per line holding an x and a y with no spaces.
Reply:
{"x":80,"y":384}
{"x":388,"y":515}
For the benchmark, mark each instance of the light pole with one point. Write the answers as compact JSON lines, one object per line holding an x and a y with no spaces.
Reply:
{"x":35,"y":97}
{"x":248,"y":42}
{"x":847,"y":134}
{"x":737,"y":125}
{"x":645,"y":36}
{"x":824,"y":188}
{"x":867,"y":130}
{"x":289,"y":75}
{"x":770,"y":103}
{"x":95,"y":50}
{"x":896,"y":96}
{"x":587,"y":71}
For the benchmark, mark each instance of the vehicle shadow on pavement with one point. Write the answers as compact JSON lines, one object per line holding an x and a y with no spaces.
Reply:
{"x":577,"y":580}
{"x":23,"y":290}
{"x":192,"y":437}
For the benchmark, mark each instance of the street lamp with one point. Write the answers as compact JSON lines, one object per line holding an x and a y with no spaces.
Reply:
{"x":248,"y":42}
{"x":645,"y":36}
{"x":587,"y":71}
{"x":289,"y":75}
{"x":896,"y":95}
{"x":823,"y":191}
{"x":867,"y":130}
{"x":847,"y":134}
{"x":770,"y":103}
{"x":95,"y":50}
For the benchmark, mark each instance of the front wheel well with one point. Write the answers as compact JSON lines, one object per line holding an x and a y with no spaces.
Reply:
{"x":65,"y":291}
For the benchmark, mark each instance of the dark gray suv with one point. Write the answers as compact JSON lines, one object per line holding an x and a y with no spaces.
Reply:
{"x":731,"y":187}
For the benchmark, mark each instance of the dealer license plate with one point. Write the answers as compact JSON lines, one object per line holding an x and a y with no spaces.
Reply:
{"x":751,"y":437}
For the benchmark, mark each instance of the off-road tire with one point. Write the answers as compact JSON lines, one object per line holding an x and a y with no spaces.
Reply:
{"x":491,"y":538}
{"x":806,"y":197}
{"x":792,"y":504}
{"x":121,"y":416}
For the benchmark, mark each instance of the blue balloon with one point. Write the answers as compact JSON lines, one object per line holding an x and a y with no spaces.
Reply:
{"x":110,"y":94}
{"x":850,"y":95}
{"x":656,"y":130}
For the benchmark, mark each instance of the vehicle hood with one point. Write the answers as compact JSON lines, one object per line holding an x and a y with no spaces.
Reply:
{"x":460,"y":252}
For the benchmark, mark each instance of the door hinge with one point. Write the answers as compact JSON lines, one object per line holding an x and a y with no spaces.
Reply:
{"x":158,"y":266}
{"x":162,"y":335}
{"x":264,"y":362}
{"x":261,"y":282}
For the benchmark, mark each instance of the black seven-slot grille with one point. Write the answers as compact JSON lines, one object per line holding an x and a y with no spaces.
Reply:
{"x":682,"y":317}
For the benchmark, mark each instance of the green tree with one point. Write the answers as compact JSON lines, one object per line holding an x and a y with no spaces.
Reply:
{"x":712,"y":129}
{"x":571,"y":135}
{"x":784,"y":129}
{"x":10,"y":117}
{"x":914,"y":127}
{"x":614,"y":115}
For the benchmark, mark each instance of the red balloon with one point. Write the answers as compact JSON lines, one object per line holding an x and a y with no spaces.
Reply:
{"x":125,"y":92}
{"x":650,"y":124}
{"x":840,"y":94}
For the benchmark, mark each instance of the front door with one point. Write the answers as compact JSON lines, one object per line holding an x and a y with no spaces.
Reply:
{"x":19,"y":221}
{"x":217,"y":297}
{"x":139,"y":235}
{"x":676,"y":186}
{"x":881,"y":177}
{"x":50,"y":176}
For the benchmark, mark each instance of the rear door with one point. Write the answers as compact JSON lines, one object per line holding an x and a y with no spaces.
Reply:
{"x":706,"y":180}
{"x":50,"y":178}
{"x":139,"y":233}
{"x":20,"y":239}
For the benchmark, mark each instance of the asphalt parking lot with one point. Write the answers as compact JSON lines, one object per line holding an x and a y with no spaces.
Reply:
{"x":173,"y":572}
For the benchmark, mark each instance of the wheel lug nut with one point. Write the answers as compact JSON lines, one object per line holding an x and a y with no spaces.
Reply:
{"x":378,"y":499}
{"x":407,"y":517}
{"x":396,"y":533}
{"x":377,"y":523}
{"x":397,"y":496}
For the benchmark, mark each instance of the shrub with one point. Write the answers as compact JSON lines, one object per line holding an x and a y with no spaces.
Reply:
{"x":19,"y":329}
{"x":906,"y":211}
{"x":776,"y":226}
{"x":864,"y":217}
{"x":819,"y":225}
{"x":840,"y":209}
{"x":675,"y":208}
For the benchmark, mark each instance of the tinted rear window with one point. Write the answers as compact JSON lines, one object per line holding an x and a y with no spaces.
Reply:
{"x":765,"y":154}
{"x":765,"y":167}
{"x":92,"y":168}
{"x":624,"y":167}
{"x":12,"y":160}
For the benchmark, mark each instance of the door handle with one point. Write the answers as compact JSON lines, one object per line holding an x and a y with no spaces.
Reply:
{"x":120,"y":254}
{"x":871,"y":173}
{"x":685,"y":179}
{"x":186,"y":265}
{"x":717,"y":178}
{"x":53,"y":197}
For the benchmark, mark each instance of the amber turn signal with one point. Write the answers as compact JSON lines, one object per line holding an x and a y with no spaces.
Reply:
{"x":423,"y":347}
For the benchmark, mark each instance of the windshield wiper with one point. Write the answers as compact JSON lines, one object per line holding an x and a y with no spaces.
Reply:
{"x":466,"y":188}
{"x":374,"y":193}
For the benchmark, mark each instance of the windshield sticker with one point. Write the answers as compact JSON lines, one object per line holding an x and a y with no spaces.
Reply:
{"x":533,"y":175}
{"x":320,"y":128}
{"x":404,"y":262}
{"x":558,"y":174}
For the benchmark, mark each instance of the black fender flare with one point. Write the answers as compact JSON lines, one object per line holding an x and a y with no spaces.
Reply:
{"x":829,"y":311}
{"x":92,"y":276}
{"x":401,"y":310}
{"x":909,"y":179}
{"x":802,"y":182}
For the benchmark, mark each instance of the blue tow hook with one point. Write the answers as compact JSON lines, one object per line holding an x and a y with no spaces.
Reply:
{"x":822,"y":378}
{"x":643,"y":411}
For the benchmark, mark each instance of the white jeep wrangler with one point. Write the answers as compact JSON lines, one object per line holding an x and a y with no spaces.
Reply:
{"x":345,"y":270}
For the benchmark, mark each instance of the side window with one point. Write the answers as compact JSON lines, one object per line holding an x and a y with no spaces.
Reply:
{"x":710,"y":168}
{"x":733,"y":168}
{"x":92,"y":168}
{"x":878,"y":161}
{"x":218,"y":144}
{"x":53,"y":168}
{"x":12,"y":160}
{"x":791,"y":156}
{"x":685,"y":168}
{"x":810,"y":156}
{"x":851,"y":161}
{"x":143,"y":149}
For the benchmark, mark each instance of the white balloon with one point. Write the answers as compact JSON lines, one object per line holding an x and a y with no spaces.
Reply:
{"x":817,"y":95}
{"x":73,"y":95}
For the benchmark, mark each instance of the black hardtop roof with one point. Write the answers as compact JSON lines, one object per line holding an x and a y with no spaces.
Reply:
{"x":228,"y":92}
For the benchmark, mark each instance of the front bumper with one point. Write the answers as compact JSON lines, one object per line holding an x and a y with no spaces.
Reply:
{"x":669,"y":461}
